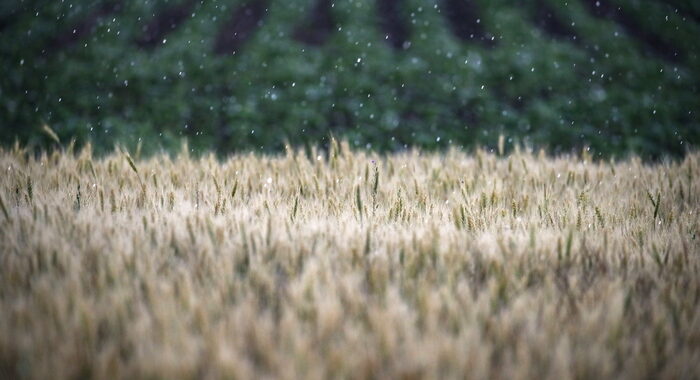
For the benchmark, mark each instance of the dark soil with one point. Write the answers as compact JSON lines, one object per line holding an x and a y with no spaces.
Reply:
{"x":83,"y":27}
{"x":547,"y":20}
{"x":394,"y":27}
{"x":465,"y":22}
{"x":689,"y":11}
{"x":240,"y":27}
{"x":17,"y":9}
{"x":653,"y":43}
{"x":165,"y":22}
{"x":318,"y":26}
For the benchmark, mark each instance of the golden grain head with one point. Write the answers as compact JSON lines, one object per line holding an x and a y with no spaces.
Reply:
{"x":441,"y":265}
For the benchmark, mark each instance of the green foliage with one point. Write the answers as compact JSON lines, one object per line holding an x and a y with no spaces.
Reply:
{"x":606,"y":90}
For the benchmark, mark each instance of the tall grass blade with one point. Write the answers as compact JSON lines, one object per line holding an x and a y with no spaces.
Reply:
{"x":52,"y":135}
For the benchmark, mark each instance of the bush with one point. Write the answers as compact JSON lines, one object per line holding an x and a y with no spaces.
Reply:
{"x":553,"y":75}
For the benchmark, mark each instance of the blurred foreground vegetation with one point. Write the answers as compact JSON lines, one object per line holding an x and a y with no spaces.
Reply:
{"x":358,"y":265}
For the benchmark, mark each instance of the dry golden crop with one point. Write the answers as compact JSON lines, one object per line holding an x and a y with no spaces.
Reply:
{"x":346,"y":264}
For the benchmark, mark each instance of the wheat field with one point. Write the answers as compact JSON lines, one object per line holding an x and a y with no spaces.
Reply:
{"x":348,"y":264}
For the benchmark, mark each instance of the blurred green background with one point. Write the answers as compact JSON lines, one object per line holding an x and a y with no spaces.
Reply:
{"x":618,"y":76}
